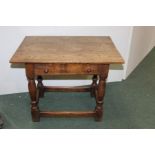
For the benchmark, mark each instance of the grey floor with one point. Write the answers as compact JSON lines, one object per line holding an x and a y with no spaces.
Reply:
{"x":128,"y":105}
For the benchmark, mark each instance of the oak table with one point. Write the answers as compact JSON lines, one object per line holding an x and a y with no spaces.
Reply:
{"x":66,"y":55}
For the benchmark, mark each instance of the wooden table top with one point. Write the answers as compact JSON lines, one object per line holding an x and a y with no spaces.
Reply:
{"x":67,"y":49}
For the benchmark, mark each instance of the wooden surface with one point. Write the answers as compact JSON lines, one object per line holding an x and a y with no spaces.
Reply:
{"x":63,"y":49}
{"x":64,"y":56}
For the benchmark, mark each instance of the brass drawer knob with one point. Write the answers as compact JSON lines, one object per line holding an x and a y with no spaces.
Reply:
{"x":46,"y":70}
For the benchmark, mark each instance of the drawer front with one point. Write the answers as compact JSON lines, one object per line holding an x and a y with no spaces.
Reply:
{"x":58,"y":69}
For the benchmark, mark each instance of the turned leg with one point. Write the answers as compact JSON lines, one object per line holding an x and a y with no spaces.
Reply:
{"x":40,"y":86}
{"x":100,"y":92}
{"x":34,"y":105}
{"x":33,"y":92}
{"x":93,"y":86}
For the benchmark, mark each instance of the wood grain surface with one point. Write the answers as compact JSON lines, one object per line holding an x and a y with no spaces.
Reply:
{"x":67,"y":49}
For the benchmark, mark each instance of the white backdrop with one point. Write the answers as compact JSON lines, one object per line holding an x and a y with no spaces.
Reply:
{"x":13,"y":80}
{"x":142,"y":41}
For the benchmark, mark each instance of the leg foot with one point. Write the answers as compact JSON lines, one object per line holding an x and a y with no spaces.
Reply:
{"x":98,"y":113}
{"x":35,"y":114}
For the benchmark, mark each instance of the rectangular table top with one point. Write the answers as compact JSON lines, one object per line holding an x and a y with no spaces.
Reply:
{"x":67,"y":49}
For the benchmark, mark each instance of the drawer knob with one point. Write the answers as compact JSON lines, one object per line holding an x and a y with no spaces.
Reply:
{"x":46,"y":70}
{"x":89,"y":70}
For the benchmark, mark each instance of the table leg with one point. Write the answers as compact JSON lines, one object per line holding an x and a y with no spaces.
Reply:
{"x":33,"y":92}
{"x":100,"y":92}
{"x":93,"y":86}
{"x":40,"y":86}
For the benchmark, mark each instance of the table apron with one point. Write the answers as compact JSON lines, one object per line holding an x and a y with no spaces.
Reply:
{"x":70,"y":69}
